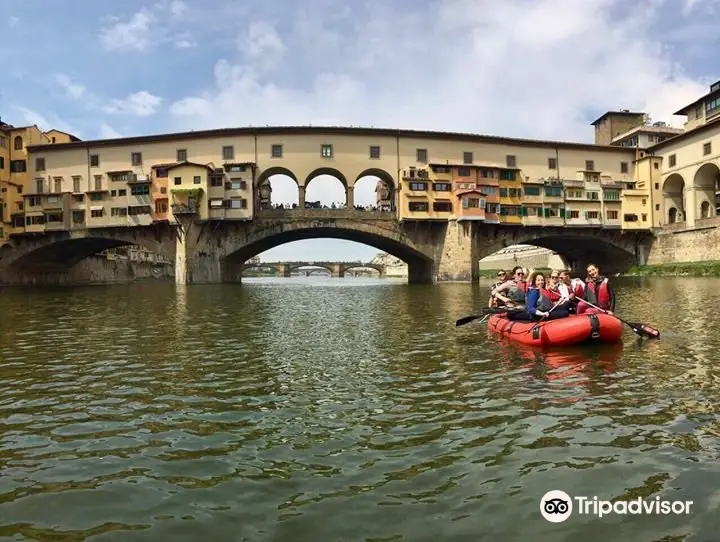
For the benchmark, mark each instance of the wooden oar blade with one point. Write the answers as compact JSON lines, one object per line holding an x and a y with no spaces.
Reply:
{"x":466,"y":320}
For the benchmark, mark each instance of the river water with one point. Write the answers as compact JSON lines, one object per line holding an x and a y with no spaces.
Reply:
{"x":317,"y":409}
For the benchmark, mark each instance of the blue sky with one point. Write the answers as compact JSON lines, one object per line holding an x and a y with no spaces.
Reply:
{"x":526,"y":68}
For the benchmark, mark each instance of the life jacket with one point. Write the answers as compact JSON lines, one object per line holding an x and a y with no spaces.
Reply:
{"x":517,"y":292}
{"x":544,"y":301}
{"x":577,"y":287}
{"x":599,"y":296}
{"x":553,"y":295}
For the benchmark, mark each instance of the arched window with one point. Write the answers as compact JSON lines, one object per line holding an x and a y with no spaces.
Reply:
{"x":18,"y":143}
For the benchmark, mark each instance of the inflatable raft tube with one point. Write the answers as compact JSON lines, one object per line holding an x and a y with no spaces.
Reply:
{"x":575,"y":329}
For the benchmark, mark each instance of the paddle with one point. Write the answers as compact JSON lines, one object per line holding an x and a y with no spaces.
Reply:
{"x":639,"y":328}
{"x":487,"y":310}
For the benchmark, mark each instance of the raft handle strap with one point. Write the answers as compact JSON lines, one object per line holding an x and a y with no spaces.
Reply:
{"x":536,"y":332}
{"x":594,"y":326}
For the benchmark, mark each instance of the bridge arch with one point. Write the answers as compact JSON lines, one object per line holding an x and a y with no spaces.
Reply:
{"x":612,"y":251}
{"x":377,"y":268}
{"x":286,"y":186}
{"x":59,"y":251}
{"x":319,"y":193}
{"x":706,"y":182}
{"x":388,"y":238}
{"x":673,"y":192}
{"x":310,"y":266}
{"x":277,"y":170}
{"x":384,"y":188}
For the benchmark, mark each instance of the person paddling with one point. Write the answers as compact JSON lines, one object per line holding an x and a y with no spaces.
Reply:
{"x":515,"y":289}
{"x":557,"y":286}
{"x":501,"y":279}
{"x":598,"y":291}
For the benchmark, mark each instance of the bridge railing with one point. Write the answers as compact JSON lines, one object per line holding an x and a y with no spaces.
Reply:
{"x":325,"y":213}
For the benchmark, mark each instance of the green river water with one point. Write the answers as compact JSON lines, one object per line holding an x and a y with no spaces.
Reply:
{"x":317,"y":409}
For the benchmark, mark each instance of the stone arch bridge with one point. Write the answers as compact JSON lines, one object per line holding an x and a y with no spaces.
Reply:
{"x":217,"y":251}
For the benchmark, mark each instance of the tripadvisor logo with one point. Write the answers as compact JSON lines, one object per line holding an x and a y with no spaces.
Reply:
{"x":556,"y":506}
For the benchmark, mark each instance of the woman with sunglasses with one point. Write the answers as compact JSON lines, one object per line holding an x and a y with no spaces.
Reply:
{"x":557,"y":285}
{"x":515,"y":289}
{"x":543,"y":298}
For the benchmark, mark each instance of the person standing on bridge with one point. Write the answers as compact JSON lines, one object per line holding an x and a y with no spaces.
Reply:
{"x":598,"y":291}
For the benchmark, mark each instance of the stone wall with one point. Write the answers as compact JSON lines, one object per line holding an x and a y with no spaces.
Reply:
{"x":530,"y":257}
{"x":695,"y":245}
{"x":459,"y":257}
{"x":95,"y":270}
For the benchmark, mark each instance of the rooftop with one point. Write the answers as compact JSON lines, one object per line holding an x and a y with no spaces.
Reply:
{"x":711,"y":125}
{"x":621,"y":113}
{"x":317,"y":130}
{"x":657,"y":128}
{"x":714,"y":91}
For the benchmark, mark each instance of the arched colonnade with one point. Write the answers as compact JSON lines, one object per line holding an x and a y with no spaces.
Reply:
{"x":385,"y":189}
{"x":690,"y":195}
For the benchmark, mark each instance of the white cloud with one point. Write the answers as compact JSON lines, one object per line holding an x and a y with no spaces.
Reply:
{"x":72,"y":89}
{"x":690,"y":5}
{"x":13,"y":21}
{"x":458,"y":66}
{"x":139,"y":104}
{"x":177,"y":8}
{"x":31,"y":116}
{"x":144,"y":28}
{"x":134,"y":34}
{"x":262,"y":43}
{"x":184,"y":43}
{"x":108,"y":132}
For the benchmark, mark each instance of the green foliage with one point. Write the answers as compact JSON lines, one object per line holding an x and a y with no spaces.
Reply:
{"x":685,"y":269}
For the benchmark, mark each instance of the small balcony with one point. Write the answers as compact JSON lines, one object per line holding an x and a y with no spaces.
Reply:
{"x":184,"y":208}
{"x":532,"y":198}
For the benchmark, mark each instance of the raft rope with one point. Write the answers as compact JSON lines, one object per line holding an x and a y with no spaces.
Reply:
{"x":506,"y":329}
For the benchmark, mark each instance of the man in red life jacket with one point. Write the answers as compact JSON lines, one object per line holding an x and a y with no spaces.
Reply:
{"x":598,"y":291}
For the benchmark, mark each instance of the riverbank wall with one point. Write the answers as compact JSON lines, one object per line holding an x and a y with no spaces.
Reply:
{"x":95,"y":270}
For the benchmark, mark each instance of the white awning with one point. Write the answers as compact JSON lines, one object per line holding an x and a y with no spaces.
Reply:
{"x":96,"y":207}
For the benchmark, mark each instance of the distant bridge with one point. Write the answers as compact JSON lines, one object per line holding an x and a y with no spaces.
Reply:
{"x":336,"y":269}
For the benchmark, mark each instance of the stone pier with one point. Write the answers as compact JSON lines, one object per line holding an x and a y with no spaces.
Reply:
{"x":459,"y":259}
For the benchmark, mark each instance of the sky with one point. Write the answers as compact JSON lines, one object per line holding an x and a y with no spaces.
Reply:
{"x":519,"y":68}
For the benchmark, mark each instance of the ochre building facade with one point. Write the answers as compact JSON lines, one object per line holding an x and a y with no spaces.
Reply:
{"x":51,"y":181}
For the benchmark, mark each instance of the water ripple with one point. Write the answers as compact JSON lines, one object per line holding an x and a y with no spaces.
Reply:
{"x":300,"y":410}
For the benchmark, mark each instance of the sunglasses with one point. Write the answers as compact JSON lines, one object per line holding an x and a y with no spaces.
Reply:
{"x":554,"y":276}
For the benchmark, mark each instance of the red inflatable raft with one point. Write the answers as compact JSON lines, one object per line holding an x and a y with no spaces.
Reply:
{"x":574,"y":329}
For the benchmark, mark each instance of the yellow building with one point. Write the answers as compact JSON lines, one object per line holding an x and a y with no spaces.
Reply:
{"x":132,"y":181}
{"x":678,"y":179}
{"x":14,"y":171}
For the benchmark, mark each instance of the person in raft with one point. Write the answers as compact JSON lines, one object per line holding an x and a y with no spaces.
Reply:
{"x":501,"y":279}
{"x":598,"y":291}
{"x":555,"y":284}
{"x":514,"y":290}
{"x":575,"y":288}
{"x":544,"y":302}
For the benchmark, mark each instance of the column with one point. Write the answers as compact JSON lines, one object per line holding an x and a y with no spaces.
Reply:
{"x":350,"y":196}
{"x":301,"y":197}
{"x":458,"y":260}
{"x":690,"y":206}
